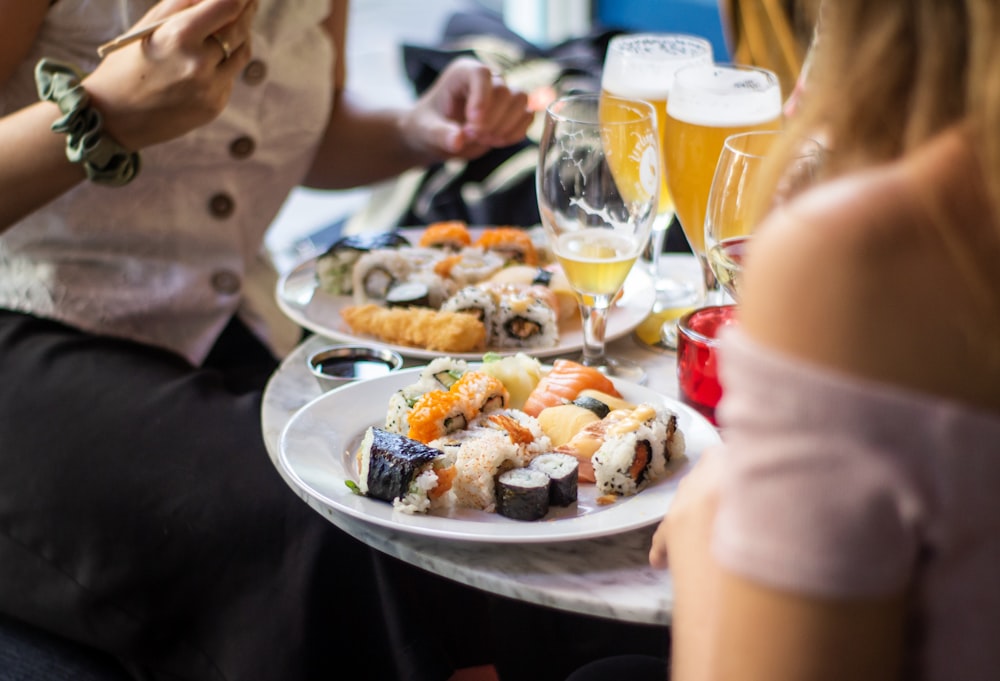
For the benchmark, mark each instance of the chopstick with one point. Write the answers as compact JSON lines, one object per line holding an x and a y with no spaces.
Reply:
{"x":129,"y":38}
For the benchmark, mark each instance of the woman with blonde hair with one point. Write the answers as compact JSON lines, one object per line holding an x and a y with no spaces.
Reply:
{"x":849,"y":527}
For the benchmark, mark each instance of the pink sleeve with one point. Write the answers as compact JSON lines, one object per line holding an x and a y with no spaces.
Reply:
{"x":821,"y":491}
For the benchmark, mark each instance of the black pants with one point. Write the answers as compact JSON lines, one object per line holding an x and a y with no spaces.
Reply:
{"x":140,"y":514}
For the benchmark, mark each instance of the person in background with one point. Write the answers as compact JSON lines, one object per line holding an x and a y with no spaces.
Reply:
{"x":847,"y":527}
{"x":140,"y":512}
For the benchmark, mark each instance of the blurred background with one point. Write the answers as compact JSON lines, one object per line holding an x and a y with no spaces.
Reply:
{"x":390,"y":41}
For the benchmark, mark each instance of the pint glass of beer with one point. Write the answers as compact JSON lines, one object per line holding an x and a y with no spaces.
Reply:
{"x":642,"y":66}
{"x":708,"y":103}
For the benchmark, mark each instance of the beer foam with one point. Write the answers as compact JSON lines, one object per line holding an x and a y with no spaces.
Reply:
{"x":643,"y":65}
{"x":724,"y":96}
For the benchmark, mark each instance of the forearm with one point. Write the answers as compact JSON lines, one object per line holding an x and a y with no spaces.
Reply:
{"x":362,"y":146}
{"x":35,"y":169}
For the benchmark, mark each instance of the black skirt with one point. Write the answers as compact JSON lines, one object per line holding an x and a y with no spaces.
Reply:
{"x":140,"y":514}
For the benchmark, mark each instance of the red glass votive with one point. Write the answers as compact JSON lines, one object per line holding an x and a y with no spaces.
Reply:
{"x":697,"y":345}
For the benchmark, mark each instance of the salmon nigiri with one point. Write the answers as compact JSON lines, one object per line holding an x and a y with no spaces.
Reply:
{"x":563,"y":383}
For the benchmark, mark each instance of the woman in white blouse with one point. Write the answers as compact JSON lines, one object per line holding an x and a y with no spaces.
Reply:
{"x":140,"y":512}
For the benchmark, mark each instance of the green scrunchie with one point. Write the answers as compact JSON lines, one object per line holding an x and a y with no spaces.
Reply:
{"x":104,"y":160}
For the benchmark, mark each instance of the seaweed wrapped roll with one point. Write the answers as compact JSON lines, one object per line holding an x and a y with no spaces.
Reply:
{"x":522,"y":494}
{"x":335,"y":265}
{"x":563,"y":473}
{"x":405,"y":472}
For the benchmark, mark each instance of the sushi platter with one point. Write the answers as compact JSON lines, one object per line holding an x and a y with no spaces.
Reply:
{"x":303,"y":297}
{"x":318,"y":451}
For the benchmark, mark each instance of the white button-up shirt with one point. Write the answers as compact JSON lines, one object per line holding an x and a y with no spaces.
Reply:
{"x":169,"y":258}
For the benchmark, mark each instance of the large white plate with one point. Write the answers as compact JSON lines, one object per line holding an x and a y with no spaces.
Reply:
{"x":316,"y":310}
{"x":317,"y":446}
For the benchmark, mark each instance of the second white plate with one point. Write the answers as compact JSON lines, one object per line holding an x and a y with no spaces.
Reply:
{"x":316,"y":310}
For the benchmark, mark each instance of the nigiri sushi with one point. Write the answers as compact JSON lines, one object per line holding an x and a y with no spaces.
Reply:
{"x":563,"y":383}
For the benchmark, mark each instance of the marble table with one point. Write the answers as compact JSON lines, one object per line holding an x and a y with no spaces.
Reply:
{"x":605,"y":577}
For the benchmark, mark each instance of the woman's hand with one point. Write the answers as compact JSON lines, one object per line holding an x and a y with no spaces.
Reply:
{"x":467,"y":111}
{"x":177,"y":79}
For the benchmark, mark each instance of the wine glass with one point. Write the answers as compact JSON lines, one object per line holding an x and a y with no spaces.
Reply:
{"x":598,"y":184}
{"x":735,"y":200}
{"x":707,"y":105}
{"x":642,"y":66}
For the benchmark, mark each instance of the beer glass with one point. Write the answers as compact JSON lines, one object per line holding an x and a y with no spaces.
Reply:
{"x":642,"y":66}
{"x":598,"y":186}
{"x":708,"y":103}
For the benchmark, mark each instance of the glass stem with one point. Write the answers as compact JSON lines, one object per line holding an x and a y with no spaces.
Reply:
{"x":594,"y":314}
{"x":712,"y":288}
{"x":654,"y":248}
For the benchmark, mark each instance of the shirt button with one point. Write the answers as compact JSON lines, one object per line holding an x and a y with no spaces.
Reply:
{"x":242,"y":147}
{"x":226,"y":282}
{"x":221,"y":206}
{"x":255,"y":72}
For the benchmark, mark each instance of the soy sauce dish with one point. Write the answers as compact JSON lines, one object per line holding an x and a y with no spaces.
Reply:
{"x":339,"y":365}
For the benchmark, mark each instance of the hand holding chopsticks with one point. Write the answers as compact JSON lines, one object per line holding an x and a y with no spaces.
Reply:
{"x":129,"y":37}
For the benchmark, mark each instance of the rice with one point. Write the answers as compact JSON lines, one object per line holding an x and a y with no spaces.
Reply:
{"x":416,"y":499}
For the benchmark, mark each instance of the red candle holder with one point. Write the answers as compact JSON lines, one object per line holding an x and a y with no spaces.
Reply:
{"x":697,"y":346}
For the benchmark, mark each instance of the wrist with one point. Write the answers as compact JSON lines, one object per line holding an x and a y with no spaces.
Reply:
{"x":103,"y":159}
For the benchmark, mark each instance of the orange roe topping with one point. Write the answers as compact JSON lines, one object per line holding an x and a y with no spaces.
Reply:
{"x":427,"y":418}
{"x":509,"y":241}
{"x":448,"y":233}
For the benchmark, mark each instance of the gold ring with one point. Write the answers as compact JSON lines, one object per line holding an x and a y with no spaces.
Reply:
{"x":226,"y":51}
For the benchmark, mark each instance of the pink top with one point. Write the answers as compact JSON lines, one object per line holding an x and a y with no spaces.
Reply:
{"x":840,"y":487}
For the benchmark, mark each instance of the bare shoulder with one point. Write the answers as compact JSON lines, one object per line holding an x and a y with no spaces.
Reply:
{"x":870,"y":274}
{"x":846,"y":276}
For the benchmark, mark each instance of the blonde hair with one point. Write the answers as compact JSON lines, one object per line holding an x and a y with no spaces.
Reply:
{"x":886,"y":76}
{"x":889,"y":75}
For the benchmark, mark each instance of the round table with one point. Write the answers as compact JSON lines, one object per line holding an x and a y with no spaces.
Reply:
{"x":605,"y":577}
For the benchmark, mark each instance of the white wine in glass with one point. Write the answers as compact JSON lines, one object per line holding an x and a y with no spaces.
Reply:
{"x":598,"y":185}
{"x":707,"y":105}
{"x":642,"y":66}
{"x":737,"y":200}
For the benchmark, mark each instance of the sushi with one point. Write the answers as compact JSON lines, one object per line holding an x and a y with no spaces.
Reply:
{"x":399,"y":470}
{"x":522,"y":494}
{"x":335,"y":265}
{"x":512,"y":243}
{"x":474,"y":301}
{"x":524,"y":322}
{"x":562,"y":471}
{"x":448,"y":234}
{"x":564,"y":383}
{"x":437,"y":414}
{"x":636,"y":447}
{"x":440,"y":374}
{"x":376,"y":272}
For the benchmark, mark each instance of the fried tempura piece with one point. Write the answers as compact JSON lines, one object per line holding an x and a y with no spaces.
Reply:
{"x":419,"y":327}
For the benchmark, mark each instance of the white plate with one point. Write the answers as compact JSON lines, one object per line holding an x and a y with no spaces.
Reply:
{"x":316,"y":310}
{"x":317,"y":447}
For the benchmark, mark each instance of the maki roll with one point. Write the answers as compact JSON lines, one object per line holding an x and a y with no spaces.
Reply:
{"x":524,"y":322}
{"x":636,"y":447}
{"x":475,"y":301}
{"x":562,"y":471}
{"x":511,"y":243}
{"x":376,"y":272}
{"x":450,"y":235}
{"x":437,"y":414}
{"x":399,"y":470}
{"x":335,"y":265}
{"x":473,"y":265}
{"x":481,"y":392}
{"x":408,"y":294}
{"x":522,"y":494}
{"x":440,"y":374}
